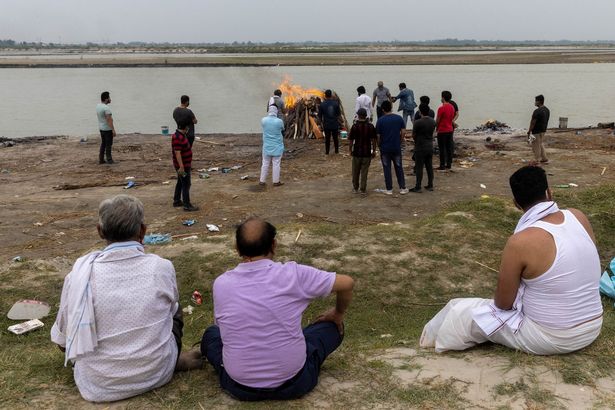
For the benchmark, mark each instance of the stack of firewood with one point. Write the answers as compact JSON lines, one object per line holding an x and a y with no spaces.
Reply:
{"x":302,"y":119}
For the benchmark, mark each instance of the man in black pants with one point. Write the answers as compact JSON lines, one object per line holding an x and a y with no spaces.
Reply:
{"x":422,"y":132}
{"x":106,"y":128}
{"x":330,"y":113}
{"x":182,"y":161}
{"x":445,"y":127}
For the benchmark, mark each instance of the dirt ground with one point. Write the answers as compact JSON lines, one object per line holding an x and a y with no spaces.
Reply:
{"x":50,"y":189}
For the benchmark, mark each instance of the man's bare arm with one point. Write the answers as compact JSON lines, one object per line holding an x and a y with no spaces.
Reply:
{"x":343,"y":286}
{"x":509,"y":278}
{"x":109,"y":119}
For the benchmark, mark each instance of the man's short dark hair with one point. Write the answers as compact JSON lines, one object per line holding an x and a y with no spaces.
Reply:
{"x":362,"y":113}
{"x":447,"y":96}
{"x":386,"y":106}
{"x":278,"y":92}
{"x":424,"y":109}
{"x":529,"y":186}
{"x":402,"y":86}
{"x":361,"y":90}
{"x":184,"y":99}
{"x":260,"y":246}
{"x":328,"y":93}
{"x":424,"y":100}
{"x":540,"y":98}
{"x":104,"y":96}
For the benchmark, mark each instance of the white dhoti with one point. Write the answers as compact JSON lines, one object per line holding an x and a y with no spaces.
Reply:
{"x":454,"y":328}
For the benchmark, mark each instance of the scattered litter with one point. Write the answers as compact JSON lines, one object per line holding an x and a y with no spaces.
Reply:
{"x":572,"y":185}
{"x":156,"y":239}
{"x":484,"y":197}
{"x":466,"y":164}
{"x":28,"y":309}
{"x":298,"y":235}
{"x":607,"y":282}
{"x":130,"y":184}
{"x":603,"y":171}
{"x":166,"y":182}
{"x":212,"y":228}
{"x":243,"y":178}
{"x":17,"y":259}
{"x":415,"y":214}
{"x":213,"y":169}
{"x":203,"y":175}
{"x":197,"y":298}
{"x":5,"y":171}
{"x":236,"y":167}
{"x":129,"y":178}
{"x":84,"y":139}
{"x":562,"y":186}
{"x":235,"y":196}
{"x":483,"y":186}
{"x":226,"y":170}
{"x":190,"y":238}
{"x":188,"y":309}
{"x":189,"y":222}
{"x":225,"y":219}
{"x":25,"y":327}
{"x":37,"y":224}
{"x":386,"y":336}
{"x":60,"y":234}
{"x":299,"y":215}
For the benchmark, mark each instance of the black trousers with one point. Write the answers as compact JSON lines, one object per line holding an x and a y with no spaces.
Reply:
{"x":178,"y":328}
{"x":379,"y":111}
{"x":182,"y":188}
{"x":423,"y":159}
{"x":106,"y":141}
{"x":336,"y":142}
{"x":446,"y":147}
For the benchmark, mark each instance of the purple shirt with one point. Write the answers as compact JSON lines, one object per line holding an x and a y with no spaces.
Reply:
{"x":258,"y":307}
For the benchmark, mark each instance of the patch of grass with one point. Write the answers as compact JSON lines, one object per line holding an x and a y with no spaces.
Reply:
{"x":404,"y":274}
{"x":530,"y":391}
{"x":434,"y":395}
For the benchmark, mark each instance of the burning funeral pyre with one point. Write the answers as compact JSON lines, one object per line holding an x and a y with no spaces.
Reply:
{"x":302,"y":105}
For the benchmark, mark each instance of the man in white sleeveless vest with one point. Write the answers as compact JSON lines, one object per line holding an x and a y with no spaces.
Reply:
{"x":547,"y":299}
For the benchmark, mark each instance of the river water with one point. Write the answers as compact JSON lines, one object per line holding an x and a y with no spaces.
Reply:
{"x":61,"y":101}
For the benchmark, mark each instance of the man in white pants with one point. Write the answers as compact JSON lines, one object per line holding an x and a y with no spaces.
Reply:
{"x":273,"y":146}
{"x":547,"y":299}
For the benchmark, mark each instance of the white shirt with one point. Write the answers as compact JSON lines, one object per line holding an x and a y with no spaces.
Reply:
{"x":363,"y":101}
{"x":135,"y":297}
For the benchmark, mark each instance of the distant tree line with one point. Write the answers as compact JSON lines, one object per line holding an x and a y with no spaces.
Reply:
{"x":248,"y":45}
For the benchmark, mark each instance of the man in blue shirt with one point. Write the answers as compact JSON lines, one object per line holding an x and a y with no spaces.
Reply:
{"x":389,"y":129}
{"x":273,"y":145}
{"x":406,"y":103}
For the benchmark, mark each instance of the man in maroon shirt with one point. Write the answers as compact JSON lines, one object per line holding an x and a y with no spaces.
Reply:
{"x":182,"y":161}
{"x":445,"y":128}
{"x":363,"y":144}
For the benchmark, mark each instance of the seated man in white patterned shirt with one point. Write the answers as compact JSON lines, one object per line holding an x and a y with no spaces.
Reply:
{"x":119,"y":321}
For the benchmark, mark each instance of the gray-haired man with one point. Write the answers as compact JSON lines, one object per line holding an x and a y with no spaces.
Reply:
{"x":119,"y":320}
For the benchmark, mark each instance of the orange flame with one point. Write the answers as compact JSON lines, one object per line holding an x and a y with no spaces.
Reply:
{"x":292,"y":93}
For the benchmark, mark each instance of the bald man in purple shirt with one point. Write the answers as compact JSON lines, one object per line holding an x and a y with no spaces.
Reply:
{"x":257,"y":345}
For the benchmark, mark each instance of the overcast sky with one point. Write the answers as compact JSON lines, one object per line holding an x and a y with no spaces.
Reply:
{"x":72,"y":21}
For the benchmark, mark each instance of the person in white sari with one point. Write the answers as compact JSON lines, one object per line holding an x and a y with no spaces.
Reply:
{"x":547,"y":298}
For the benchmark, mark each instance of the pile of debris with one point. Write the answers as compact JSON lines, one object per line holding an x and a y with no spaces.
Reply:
{"x":302,"y":111}
{"x":492,"y":126}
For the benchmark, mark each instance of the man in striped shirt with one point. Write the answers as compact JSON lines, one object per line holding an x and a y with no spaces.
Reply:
{"x":182,"y":161}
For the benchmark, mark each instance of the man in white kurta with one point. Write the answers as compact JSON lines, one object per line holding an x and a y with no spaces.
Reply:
{"x":119,"y":320}
{"x":547,"y":299}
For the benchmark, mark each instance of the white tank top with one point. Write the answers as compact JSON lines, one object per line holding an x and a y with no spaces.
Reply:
{"x":567,"y":294}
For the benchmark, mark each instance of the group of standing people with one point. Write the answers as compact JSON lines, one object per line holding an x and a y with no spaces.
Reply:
{"x":389,"y":136}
